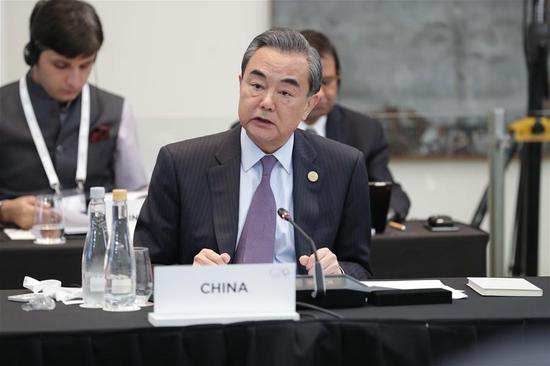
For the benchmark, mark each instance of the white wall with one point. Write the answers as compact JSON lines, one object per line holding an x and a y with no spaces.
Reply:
{"x":178,"y":63}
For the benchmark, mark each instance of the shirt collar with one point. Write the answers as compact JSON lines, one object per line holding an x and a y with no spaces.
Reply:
{"x":251,"y":154}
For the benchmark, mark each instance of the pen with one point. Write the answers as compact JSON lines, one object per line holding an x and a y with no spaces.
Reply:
{"x":397,"y":226}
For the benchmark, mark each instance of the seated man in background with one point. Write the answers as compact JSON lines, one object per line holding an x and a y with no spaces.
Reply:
{"x":214,"y":199}
{"x":56,"y":131}
{"x":335,"y":122}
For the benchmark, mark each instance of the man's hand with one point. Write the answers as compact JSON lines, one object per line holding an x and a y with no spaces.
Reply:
{"x":19,"y":211}
{"x":208,"y":257}
{"x":328,"y":261}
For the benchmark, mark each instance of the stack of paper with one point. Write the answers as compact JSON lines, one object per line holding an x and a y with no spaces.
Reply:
{"x":78,"y":222}
{"x":417,"y":284}
{"x":503,"y":286}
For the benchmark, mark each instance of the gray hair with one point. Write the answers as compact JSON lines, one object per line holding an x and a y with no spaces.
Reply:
{"x":288,"y":40}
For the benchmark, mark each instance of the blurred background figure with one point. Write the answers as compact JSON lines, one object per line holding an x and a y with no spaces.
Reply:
{"x":336,"y":122}
{"x":57,"y":133}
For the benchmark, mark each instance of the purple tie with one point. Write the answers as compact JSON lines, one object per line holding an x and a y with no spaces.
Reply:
{"x":257,"y":242}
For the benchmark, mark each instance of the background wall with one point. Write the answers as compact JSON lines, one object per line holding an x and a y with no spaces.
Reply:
{"x":429,"y":55}
{"x":178,"y":63}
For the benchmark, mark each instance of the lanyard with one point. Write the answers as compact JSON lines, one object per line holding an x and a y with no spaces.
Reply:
{"x":38,"y":138}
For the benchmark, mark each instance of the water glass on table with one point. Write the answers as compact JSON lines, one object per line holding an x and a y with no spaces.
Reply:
{"x":144,"y":276}
{"x":48,"y":222}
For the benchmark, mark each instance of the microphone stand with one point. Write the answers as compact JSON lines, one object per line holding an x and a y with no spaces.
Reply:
{"x":319,"y":287}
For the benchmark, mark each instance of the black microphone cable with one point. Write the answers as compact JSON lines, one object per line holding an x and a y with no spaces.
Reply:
{"x":319,"y":309}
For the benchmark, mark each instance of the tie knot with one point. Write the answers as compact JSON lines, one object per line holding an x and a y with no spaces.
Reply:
{"x":268,"y":162}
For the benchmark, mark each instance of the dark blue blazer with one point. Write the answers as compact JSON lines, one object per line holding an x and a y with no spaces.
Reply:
{"x":193,"y":200}
{"x":367,"y":135}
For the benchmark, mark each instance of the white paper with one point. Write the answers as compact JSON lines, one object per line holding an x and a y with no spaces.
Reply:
{"x":74,"y":203}
{"x":418,"y":284}
{"x":18,"y":234}
{"x":77,"y":222}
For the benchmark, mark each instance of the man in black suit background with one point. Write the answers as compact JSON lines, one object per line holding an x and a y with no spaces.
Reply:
{"x":333,"y":121}
{"x":202,"y":195}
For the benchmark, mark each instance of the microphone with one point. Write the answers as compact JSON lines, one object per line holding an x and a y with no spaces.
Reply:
{"x":319,"y":287}
{"x":345,"y":291}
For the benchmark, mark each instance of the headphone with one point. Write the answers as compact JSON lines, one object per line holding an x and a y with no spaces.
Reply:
{"x":31,"y":52}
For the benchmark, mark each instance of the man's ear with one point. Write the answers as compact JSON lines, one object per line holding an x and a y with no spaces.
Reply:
{"x":311,"y":103}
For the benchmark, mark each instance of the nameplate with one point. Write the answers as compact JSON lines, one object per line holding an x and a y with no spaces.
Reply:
{"x":188,"y":295}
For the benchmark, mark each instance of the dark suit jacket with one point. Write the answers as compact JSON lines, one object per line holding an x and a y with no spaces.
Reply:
{"x":193,"y":200}
{"x":367,"y":135}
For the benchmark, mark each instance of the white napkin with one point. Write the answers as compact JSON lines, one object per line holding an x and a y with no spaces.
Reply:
{"x":52,"y":288}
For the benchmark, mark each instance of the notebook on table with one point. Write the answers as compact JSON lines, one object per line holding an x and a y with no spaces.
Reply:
{"x":492,"y":286}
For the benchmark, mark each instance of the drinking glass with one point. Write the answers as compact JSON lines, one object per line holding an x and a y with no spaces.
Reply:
{"x":144,"y":276}
{"x":48,"y":223}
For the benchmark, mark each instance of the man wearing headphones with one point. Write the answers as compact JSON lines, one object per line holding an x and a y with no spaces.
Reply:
{"x":57,"y":132}
{"x":335,"y":122}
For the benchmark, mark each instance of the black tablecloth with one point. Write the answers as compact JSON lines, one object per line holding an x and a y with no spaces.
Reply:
{"x":19,"y":258}
{"x":414,"y":253}
{"x":402,"y":335}
{"x":420,"y":253}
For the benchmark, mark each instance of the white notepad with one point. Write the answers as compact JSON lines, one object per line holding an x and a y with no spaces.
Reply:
{"x":492,"y":286}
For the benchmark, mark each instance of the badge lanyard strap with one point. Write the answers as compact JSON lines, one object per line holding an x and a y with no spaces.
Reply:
{"x":38,"y":138}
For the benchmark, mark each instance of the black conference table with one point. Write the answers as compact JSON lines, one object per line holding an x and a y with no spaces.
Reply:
{"x":474,"y":331}
{"x":414,"y":253}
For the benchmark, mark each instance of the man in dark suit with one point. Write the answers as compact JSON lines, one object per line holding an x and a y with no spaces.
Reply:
{"x":335,"y":122}
{"x":207,"y":195}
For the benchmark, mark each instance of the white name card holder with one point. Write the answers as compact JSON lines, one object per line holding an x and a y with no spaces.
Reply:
{"x":188,"y":295}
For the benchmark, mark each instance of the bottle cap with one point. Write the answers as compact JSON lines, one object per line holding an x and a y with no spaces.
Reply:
{"x":119,"y":194}
{"x":97,"y":192}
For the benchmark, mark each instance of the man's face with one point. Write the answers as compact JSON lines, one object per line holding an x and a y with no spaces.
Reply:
{"x":273,"y":96}
{"x":329,"y":90}
{"x":61,"y":77}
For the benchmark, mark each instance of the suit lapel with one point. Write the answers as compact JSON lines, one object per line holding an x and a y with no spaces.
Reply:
{"x":223,"y":180}
{"x":334,"y":127}
{"x":306,"y":190}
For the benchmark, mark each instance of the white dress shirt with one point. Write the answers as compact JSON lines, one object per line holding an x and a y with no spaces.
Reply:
{"x":319,"y":126}
{"x":128,"y":166}
{"x":281,"y":185}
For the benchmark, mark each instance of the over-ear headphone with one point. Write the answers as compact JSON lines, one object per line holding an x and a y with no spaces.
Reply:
{"x":31,"y":52}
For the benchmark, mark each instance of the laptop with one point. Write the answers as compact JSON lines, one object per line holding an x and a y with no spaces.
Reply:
{"x":380,"y":194}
